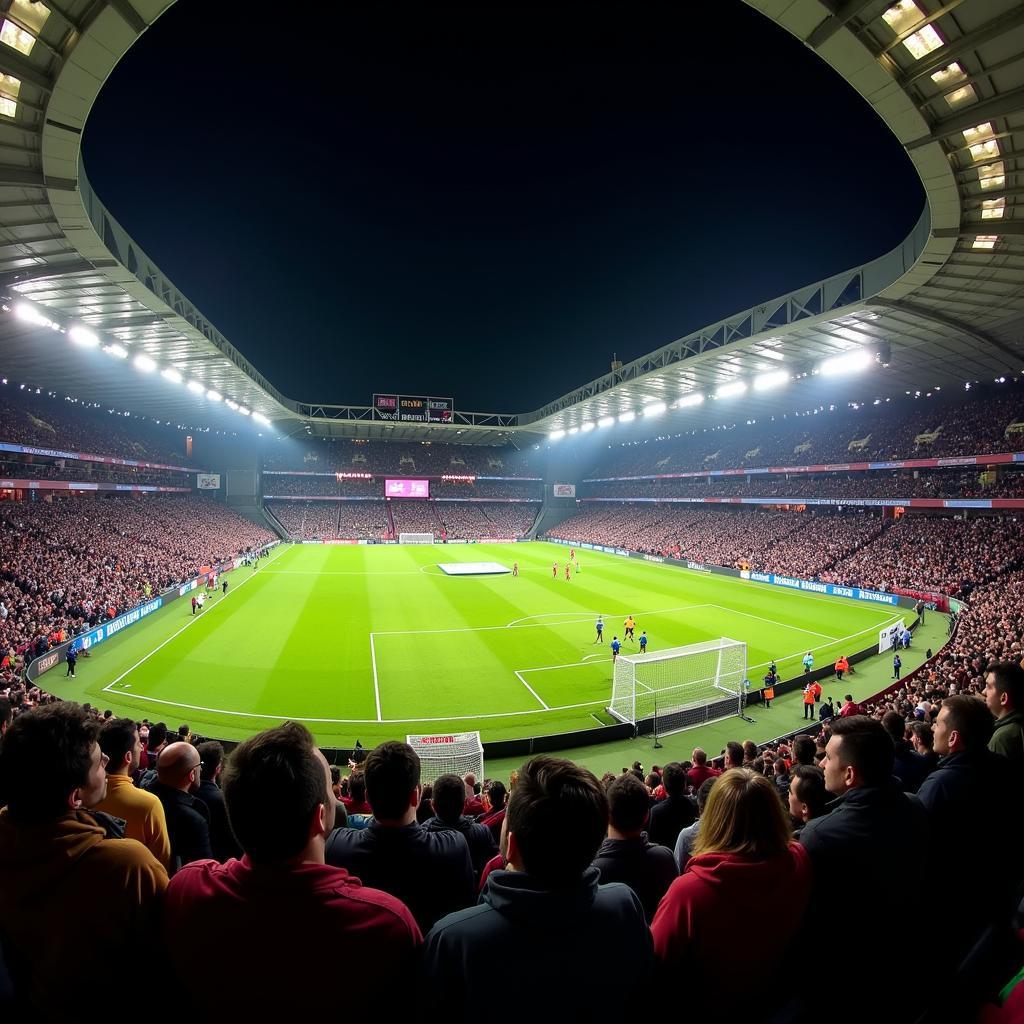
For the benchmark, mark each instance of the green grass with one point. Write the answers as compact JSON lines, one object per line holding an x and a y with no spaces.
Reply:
{"x":325,"y":634}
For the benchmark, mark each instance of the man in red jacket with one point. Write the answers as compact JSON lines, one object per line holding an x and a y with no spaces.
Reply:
{"x":265,"y":934}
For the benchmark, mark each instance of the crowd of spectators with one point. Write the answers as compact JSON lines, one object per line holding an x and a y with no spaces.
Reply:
{"x":69,"y":563}
{"x":28,"y":467}
{"x":922,"y":428}
{"x":400,"y":458}
{"x":906,"y":484}
{"x":279,"y":484}
{"x":307,"y":520}
{"x":45,"y":420}
{"x":471,"y":520}
{"x":415,"y":517}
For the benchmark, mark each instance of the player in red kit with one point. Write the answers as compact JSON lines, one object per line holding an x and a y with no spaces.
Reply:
{"x":554,"y":571}
{"x":515,"y":568}
{"x":567,"y":568}
{"x":572,"y":554}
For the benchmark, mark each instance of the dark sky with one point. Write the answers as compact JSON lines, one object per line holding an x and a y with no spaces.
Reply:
{"x":485,"y":203}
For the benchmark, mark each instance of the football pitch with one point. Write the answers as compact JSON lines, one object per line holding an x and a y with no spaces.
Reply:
{"x":375,"y":642}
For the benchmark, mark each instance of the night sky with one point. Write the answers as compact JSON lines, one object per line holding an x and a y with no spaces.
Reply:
{"x":485,"y":204}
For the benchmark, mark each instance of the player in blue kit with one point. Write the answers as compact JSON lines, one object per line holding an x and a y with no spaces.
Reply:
{"x":643,"y":642}
{"x":599,"y":626}
{"x":616,"y":646}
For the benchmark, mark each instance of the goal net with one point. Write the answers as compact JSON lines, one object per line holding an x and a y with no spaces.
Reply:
{"x":458,"y":753}
{"x":680,"y":687}
{"x":415,"y":538}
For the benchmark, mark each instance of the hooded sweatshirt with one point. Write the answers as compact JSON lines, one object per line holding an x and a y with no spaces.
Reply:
{"x":68,"y":898}
{"x":544,"y":937}
{"x":724,"y":895}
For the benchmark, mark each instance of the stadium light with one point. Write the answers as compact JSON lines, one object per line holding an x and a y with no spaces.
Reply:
{"x":731,"y":390}
{"x":655,"y":409}
{"x":83,"y":336}
{"x":233,"y":406}
{"x":587,"y":427}
{"x":574,"y":430}
{"x":767,"y":381}
{"x":260,"y":418}
{"x":144,"y":363}
{"x":556,"y":435}
{"x":213,"y":396}
{"x":118,"y":351}
{"x":242,"y":409}
{"x":606,"y":421}
{"x":195,"y":387}
{"x":690,"y":400}
{"x":31,"y":315}
{"x":627,"y":417}
{"x":850,"y":362}
{"x":171,"y":374}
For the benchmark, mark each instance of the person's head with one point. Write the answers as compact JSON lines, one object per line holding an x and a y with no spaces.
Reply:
{"x":470,"y":780}
{"x":5,"y":714}
{"x":497,"y":794}
{"x":449,"y":797}
{"x":780,"y":766}
{"x":803,"y":750}
{"x":807,"y":794}
{"x":700,"y":757}
{"x":749,"y":750}
{"x":1004,"y":688}
{"x":743,"y":816}
{"x":673,"y":778}
{"x":119,"y":740}
{"x":51,"y":763}
{"x":895,"y":726}
{"x":629,"y":805}
{"x":848,"y":698}
{"x":278,"y":795}
{"x":211,"y":753}
{"x":922,"y":737}
{"x":179,"y":766}
{"x":703,"y":792}
{"x":733,"y":754}
{"x":157,"y":737}
{"x":964,"y":724}
{"x":859,"y":754}
{"x":556,"y":820}
{"x":357,"y":787}
{"x":392,"y":773}
{"x":184,"y":732}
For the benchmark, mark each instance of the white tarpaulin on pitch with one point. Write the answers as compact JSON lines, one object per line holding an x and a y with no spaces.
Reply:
{"x":472,"y":568}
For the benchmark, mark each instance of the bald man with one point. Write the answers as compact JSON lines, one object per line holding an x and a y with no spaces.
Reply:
{"x":179,"y":774}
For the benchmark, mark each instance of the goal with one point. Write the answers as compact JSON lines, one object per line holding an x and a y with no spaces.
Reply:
{"x":680,"y":687}
{"x":457,"y":752}
{"x":415,"y":538}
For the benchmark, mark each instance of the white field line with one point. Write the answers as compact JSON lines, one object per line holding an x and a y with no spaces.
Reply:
{"x":191,"y":622}
{"x":519,"y":676}
{"x":376,"y":687}
{"x":774,"y":622}
{"x":593,"y":618}
{"x":340,"y":572}
{"x":445,"y":718}
{"x":596,"y":719}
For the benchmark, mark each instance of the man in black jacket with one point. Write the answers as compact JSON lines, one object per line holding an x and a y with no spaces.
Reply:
{"x":430,"y":872}
{"x":222,"y":839}
{"x":188,"y":820}
{"x":671,"y":815}
{"x":448,"y":800}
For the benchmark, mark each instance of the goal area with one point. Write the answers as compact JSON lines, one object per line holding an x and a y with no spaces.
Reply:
{"x":458,"y":753}
{"x":680,"y":687}
{"x":415,"y":538}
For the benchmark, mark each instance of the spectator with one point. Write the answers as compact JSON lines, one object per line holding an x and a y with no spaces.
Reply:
{"x":733,"y":755}
{"x":222,"y":839}
{"x":68,"y":893}
{"x":1004,"y":695}
{"x":688,"y":836}
{"x":908,"y":766}
{"x":781,"y":778}
{"x":447,"y":802}
{"x":627,"y":855}
{"x":807,"y":795}
{"x":871,"y":832}
{"x":675,"y":812}
{"x":745,"y":870}
{"x":922,"y":739}
{"x":700,"y":770}
{"x":803,"y":750}
{"x":279,"y":921}
{"x":497,"y":797}
{"x":547,"y":919}
{"x":142,"y":812}
{"x":474,"y":805}
{"x":188,"y":820}
{"x":430,"y":872}
{"x":356,"y":802}
{"x":850,"y":707}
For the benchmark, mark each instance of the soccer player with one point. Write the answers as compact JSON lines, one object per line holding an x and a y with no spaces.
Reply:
{"x":577,"y":565}
{"x":629,"y":625}
{"x":515,"y":568}
{"x":599,"y":626}
{"x":224,"y":587}
{"x":554,"y":571}
{"x":643,"y":641}
{"x":808,"y":662}
{"x":201,"y":600}
{"x":568,"y":570}
{"x":572,"y":554}
{"x":616,"y":647}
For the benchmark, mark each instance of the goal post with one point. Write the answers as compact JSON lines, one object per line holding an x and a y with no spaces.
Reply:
{"x":458,"y":753}
{"x":415,"y":538}
{"x":680,"y":687}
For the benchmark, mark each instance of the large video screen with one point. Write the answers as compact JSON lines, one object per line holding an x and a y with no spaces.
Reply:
{"x":407,"y":488}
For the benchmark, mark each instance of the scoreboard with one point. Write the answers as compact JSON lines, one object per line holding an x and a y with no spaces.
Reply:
{"x":413,"y":408}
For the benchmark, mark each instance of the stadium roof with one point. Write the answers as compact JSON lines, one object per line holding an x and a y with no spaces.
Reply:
{"x":945,"y":307}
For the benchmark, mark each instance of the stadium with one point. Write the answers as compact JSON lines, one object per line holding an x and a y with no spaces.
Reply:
{"x":781,"y":554}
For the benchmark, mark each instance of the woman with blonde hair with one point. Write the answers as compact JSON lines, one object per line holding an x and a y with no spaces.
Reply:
{"x":744,"y":872}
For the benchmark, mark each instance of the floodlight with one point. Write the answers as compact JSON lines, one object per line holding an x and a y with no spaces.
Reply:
{"x":83,"y":336}
{"x":556,"y":435}
{"x":144,"y":363}
{"x":195,"y":387}
{"x":627,"y":417}
{"x":587,"y":427}
{"x":260,"y":418}
{"x":119,"y":351}
{"x":850,"y":362}
{"x":213,"y":396}
{"x":690,"y":400}
{"x":731,"y":390}
{"x":654,"y":409}
{"x":767,"y":381}
{"x":171,"y":374}
{"x":606,"y":421}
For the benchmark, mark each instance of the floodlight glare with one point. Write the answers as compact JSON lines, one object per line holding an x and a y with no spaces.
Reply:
{"x":655,"y":409}
{"x":233,"y":406}
{"x":627,"y":417}
{"x":574,"y":430}
{"x":690,"y":400}
{"x":118,"y":351}
{"x":144,"y":363}
{"x":83,"y":336}
{"x":213,"y":396}
{"x":242,"y":409}
{"x":171,"y":374}
{"x":767,"y":381}
{"x":195,"y":387}
{"x":850,"y":362}
{"x":731,"y":390}
{"x":260,"y":418}
{"x":556,"y":435}
{"x":587,"y":427}
{"x":606,"y":421}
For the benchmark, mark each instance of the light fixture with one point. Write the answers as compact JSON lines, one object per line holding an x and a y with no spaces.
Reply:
{"x":260,"y":418}
{"x":688,"y":401}
{"x":627,"y":417}
{"x":118,"y":351}
{"x":586,"y":427}
{"x":171,"y":374}
{"x":731,"y":390}
{"x":144,"y":363}
{"x":767,"y":381}
{"x":850,"y":362}
{"x":233,"y":406}
{"x":83,"y":336}
{"x":195,"y":387}
{"x":606,"y":421}
{"x":242,"y":409}
{"x":213,"y":396}
{"x":654,"y":409}
{"x":574,"y":430}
